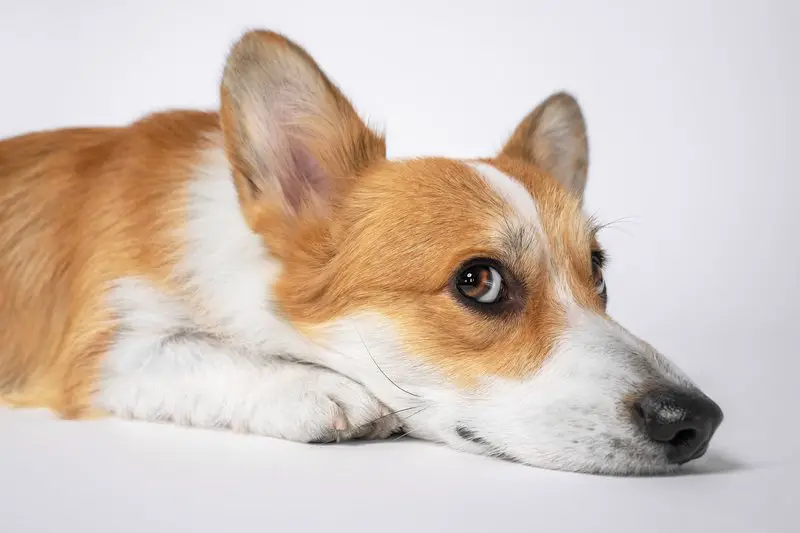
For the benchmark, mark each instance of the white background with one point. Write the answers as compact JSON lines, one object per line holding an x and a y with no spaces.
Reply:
{"x":692,"y":112}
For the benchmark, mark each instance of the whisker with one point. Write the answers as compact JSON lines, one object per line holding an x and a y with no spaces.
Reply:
{"x":378,"y":366}
{"x":407,"y":433}
{"x":597,"y":227}
{"x":328,"y":348}
{"x":365,"y":424}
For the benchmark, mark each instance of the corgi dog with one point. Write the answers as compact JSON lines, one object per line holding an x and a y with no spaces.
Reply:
{"x":266,"y":269}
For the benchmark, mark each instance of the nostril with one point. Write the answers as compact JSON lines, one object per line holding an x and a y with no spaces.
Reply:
{"x":681,"y":421}
{"x":684,"y":437}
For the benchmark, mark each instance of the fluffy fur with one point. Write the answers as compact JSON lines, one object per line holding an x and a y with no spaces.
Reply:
{"x":267,"y":269}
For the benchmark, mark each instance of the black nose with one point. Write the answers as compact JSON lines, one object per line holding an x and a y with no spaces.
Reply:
{"x":682,"y":420}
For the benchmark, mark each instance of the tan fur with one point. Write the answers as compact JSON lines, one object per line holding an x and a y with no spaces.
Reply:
{"x":404,"y":232}
{"x":262,"y":114}
{"x":554,"y":136}
{"x":81,"y":208}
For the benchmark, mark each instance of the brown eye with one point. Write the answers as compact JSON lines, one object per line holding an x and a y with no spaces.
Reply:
{"x":598,"y":260}
{"x":600,"y":284}
{"x":480,"y":282}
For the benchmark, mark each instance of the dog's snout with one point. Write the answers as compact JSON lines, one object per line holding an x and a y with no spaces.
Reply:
{"x":683,"y":421}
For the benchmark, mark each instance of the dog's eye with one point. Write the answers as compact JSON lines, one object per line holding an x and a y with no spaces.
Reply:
{"x":598,"y":260}
{"x":600,"y":285}
{"x":480,"y":282}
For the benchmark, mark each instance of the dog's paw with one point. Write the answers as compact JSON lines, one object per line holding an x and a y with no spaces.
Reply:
{"x":312,"y":404}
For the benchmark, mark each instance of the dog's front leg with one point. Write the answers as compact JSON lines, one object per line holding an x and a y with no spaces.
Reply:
{"x":192,"y":380}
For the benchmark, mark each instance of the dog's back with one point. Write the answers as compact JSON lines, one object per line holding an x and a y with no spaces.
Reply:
{"x":78,"y":208}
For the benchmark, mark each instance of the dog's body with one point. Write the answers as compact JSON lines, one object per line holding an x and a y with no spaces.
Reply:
{"x":267,"y":269}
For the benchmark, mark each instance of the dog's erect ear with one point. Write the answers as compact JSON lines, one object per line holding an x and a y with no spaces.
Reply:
{"x":290,"y":135}
{"x":553,"y":137}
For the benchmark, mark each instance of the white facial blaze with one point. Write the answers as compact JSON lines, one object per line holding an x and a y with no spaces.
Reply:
{"x":522,"y":217}
{"x":510,"y":191}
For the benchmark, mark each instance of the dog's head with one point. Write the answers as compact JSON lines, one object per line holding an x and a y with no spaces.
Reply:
{"x":467,"y":295}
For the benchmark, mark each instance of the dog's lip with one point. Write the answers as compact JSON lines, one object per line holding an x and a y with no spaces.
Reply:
{"x":471,"y":436}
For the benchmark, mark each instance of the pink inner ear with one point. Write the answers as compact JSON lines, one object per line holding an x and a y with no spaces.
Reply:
{"x":304,"y":180}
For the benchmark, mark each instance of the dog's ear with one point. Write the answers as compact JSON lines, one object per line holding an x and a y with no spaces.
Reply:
{"x":291,"y":137}
{"x":553,"y":137}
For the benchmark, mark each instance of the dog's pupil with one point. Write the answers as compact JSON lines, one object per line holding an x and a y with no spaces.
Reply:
{"x":475,"y":281}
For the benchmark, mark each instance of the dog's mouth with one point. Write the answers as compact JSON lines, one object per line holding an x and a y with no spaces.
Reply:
{"x":640,"y":462}
{"x":487,"y":447}
{"x":471,"y":436}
